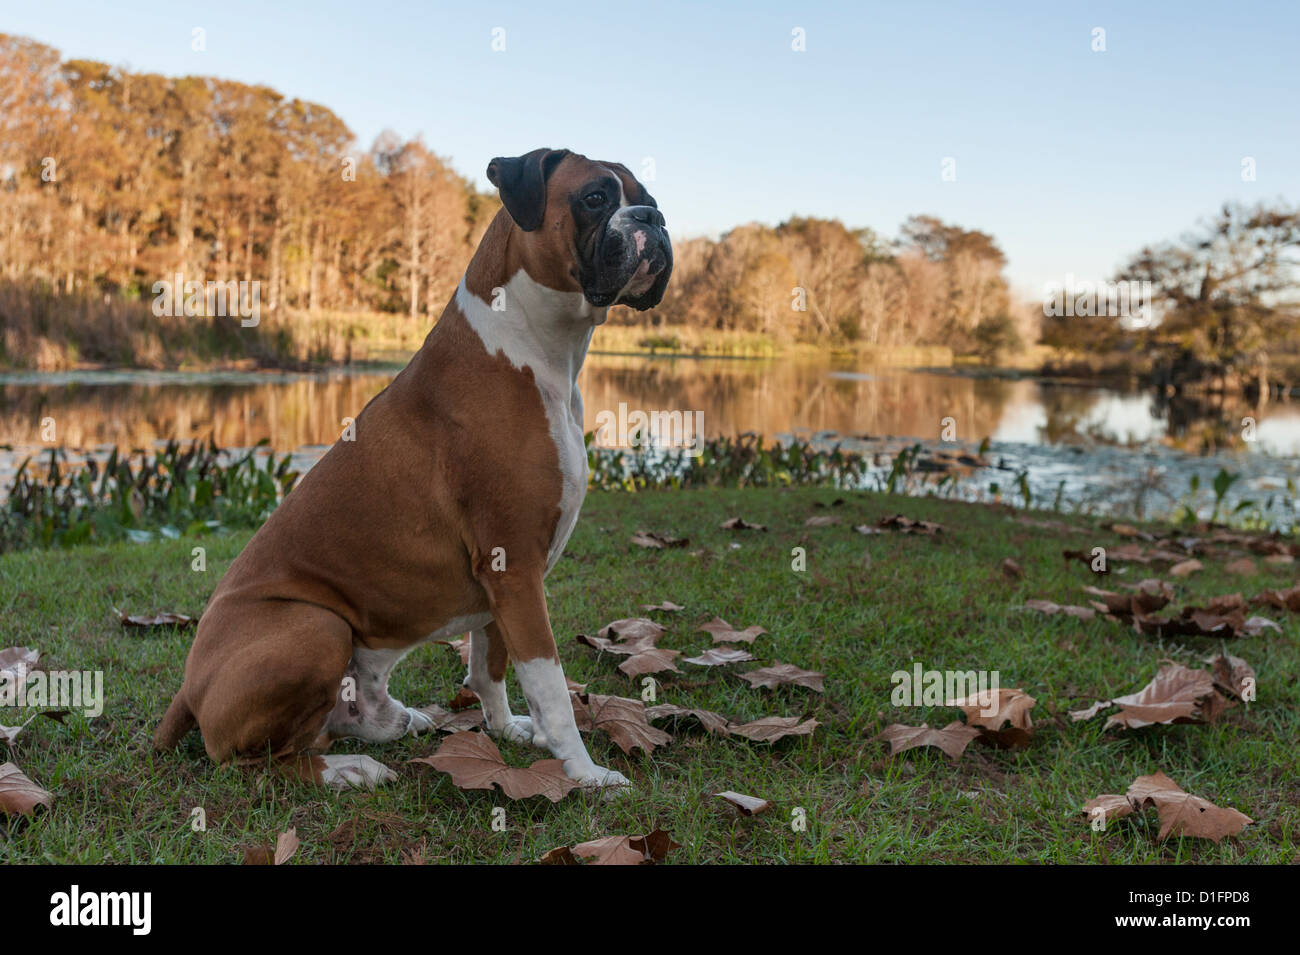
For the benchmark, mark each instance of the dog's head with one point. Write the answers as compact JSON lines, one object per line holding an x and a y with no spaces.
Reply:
{"x":590,"y":225}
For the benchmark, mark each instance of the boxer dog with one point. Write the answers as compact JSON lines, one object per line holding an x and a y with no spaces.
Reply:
{"x":446,"y":512}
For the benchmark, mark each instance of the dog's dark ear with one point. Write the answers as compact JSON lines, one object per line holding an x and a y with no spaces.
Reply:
{"x":522,"y":182}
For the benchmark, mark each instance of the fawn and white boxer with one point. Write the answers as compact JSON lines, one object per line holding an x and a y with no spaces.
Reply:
{"x":445,"y":513}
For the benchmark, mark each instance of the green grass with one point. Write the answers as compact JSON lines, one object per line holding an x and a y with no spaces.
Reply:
{"x":866,"y":607}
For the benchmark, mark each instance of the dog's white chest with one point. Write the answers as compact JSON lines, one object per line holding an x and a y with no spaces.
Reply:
{"x":547,"y":332}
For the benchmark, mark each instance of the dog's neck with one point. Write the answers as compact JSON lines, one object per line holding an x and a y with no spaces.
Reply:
{"x":532,"y":324}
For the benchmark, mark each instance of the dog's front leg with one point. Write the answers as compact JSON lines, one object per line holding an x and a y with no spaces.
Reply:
{"x":487,"y":678}
{"x":518,"y":606}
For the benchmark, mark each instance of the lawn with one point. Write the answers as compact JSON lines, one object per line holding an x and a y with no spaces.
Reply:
{"x":865,"y":607}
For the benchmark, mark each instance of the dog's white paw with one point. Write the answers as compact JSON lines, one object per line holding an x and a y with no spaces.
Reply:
{"x":520,"y":729}
{"x":354,"y":772}
{"x":592,"y":776}
{"x":420,"y":722}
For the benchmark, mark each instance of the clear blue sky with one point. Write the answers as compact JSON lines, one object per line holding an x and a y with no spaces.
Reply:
{"x":1071,"y":159}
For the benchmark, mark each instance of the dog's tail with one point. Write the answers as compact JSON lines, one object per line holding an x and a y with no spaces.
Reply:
{"x":176,"y":722}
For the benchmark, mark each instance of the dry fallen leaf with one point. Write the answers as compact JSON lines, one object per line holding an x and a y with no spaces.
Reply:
{"x":1050,"y":608}
{"x":18,"y":794}
{"x":657,"y":541}
{"x":463,"y":700}
{"x":633,"y":630}
{"x":286,"y":844}
{"x":667,"y":606}
{"x":649,"y":849}
{"x":15,"y":664}
{"x":636,"y":640}
{"x":1177,"y":694}
{"x":747,"y":805}
{"x":952,"y":739}
{"x":461,"y":647}
{"x":712,"y":722}
{"x":1244,"y":567}
{"x":1185,"y":568}
{"x":1011,"y":570}
{"x":474,"y":762}
{"x":1288,"y":599}
{"x":724,"y":632}
{"x":1151,"y":595}
{"x":1180,"y":813}
{"x":720,"y":656}
{"x":906,"y":525}
{"x":769,"y":729}
{"x":990,"y":711}
{"x":740,"y":524}
{"x":1231,"y":674}
{"x":164,"y":619}
{"x":779,"y":674}
{"x":624,"y":719}
{"x":452,"y":721}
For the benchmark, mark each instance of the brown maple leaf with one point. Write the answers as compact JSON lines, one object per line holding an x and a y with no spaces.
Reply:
{"x":461,"y":647}
{"x":770,"y":729}
{"x":1185,"y":568}
{"x":712,"y":722}
{"x":993,"y":709}
{"x":952,"y":739}
{"x":1288,"y":599}
{"x":633,"y":630}
{"x":779,"y":674}
{"x":452,"y":721}
{"x":286,"y":844}
{"x":636,"y":638}
{"x":1050,"y":608}
{"x":1109,"y":807}
{"x":649,"y":849}
{"x":1177,"y":694}
{"x":163,"y":619}
{"x":463,"y":700}
{"x":667,"y":606}
{"x":474,"y":762}
{"x":724,"y":632}
{"x":1180,"y":813}
{"x":720,"y":656}
{"x":18,"y":794}
{"x":1231,"y":674}
{"x":624,"y":719}
{"x":15,"y":665}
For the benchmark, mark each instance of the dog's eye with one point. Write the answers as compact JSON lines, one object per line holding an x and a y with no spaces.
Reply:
{"x":594,"y":200}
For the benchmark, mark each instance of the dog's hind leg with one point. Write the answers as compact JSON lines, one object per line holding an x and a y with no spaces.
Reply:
{"x":364,"y":709}
{"x":487,"y":678}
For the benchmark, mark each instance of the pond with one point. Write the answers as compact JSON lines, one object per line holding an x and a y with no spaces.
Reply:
{"x":1104,"y":447}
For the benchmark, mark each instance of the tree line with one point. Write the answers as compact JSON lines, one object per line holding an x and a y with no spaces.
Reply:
{"x":113,"y":180}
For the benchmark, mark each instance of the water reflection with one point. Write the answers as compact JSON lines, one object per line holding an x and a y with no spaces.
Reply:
{"x":134,"y":410}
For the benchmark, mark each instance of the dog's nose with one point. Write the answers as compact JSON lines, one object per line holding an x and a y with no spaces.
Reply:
{"x":647,"y":214}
